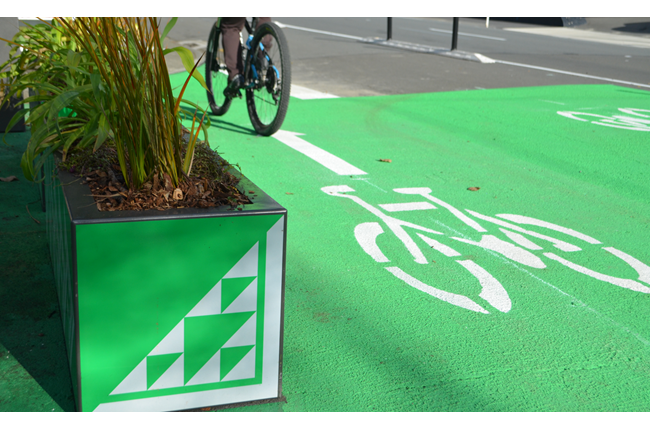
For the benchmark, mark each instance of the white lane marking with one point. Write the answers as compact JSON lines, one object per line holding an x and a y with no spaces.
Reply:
{"x":400,"y":207}
{"x":330,"y":161}
{"x":468,"y":34}
{"x":581,"y":75}
{"x":586,"y":36}
{"x":311,"y":30}
{"x":484,"y":59}
{"x":304,"y":93}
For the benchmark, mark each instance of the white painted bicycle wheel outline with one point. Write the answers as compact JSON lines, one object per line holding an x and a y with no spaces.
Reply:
{"x":491,"y":289}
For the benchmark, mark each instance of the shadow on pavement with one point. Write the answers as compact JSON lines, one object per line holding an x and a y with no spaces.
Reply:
{"x":30,"y":324}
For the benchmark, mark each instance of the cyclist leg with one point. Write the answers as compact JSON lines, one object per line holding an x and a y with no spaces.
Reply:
{"x":268,"y":40}
{"x":230,"y":29}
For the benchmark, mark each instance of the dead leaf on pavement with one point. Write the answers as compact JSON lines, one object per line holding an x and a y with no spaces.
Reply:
{"x":288,"y":193}
{"x":385,"y":160}
{"x":473,"y":188}
{"x":9,"y":179}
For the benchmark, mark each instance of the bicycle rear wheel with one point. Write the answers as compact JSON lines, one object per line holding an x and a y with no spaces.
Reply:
{"x":267,"y":101}
{"x":216,"y":73}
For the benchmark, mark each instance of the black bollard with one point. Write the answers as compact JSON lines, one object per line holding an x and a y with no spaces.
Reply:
{"x":454,"y":35}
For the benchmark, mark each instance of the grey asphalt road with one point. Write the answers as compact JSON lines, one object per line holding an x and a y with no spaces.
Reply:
{"x":338,"y":63}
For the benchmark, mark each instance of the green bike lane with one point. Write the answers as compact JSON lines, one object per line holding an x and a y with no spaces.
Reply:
{"x":437,"y":298}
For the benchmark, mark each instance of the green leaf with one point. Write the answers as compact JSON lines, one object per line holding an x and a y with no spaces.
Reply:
{"x":73,"y":59}
{"x":104,"y":128}
{"x":26,"y":164}
{"x":70,"y":140}
{"x":96,"y":82}
{"x":188,"y":62}
{"x":64,"y":99}
{"x":90,"y":130}
{"x":61,"y":101}
{"x":38,"y":113}
{"x":41,"y":160}
{"x":168,"y":27}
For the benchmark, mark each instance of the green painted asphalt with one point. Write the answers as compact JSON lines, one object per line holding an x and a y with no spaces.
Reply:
{"x":358,"y":338}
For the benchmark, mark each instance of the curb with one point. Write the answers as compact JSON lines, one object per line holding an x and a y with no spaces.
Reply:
{"x":461,"y":55}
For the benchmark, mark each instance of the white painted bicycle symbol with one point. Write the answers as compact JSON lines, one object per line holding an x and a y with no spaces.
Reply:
{"x":492,"y":291}
{"x":633,"y":120}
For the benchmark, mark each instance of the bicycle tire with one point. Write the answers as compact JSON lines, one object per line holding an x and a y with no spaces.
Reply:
{"x":216,"y":74}
{"x":268,"y":100}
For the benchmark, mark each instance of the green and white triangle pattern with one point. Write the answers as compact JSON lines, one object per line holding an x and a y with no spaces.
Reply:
{"x":209,"y":308}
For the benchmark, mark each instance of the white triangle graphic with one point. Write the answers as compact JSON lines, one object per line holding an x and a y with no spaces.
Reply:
{"x":209,"y":372}
{"x":210,"y":304}
{"x":246,"y":301}
{"x":135,"y":381}
{"x":245,"y":369}
{"x":173,"y":342}
{"x":245,"y":335}
{"x":173,"y":377}
{"x":247,"y":266}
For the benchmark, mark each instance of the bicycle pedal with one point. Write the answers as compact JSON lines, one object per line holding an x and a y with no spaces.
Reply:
{"x":232,"y":94}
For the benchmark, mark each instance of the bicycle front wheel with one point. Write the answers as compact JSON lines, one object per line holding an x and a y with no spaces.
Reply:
{"x":268,"y":99}
{"x":216,"y":73}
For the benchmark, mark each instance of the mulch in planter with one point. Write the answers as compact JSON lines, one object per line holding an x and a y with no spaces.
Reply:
{"x":210,"y":182}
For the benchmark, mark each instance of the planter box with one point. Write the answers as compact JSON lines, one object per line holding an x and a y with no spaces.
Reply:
{"x":168,"y":310}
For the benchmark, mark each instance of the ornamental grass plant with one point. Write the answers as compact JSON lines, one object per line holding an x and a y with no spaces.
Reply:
{"x":101,"y":81}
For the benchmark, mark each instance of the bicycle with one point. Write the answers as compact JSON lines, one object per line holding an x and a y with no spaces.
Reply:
{"x":267,"y":75}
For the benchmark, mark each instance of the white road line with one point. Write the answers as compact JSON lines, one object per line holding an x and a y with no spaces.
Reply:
{"x":308,"y":94}
{"x":468,"y":34}
{"x":311,"y":30}
{"x":490,"y":59}
{"x":330,"y":161}
{"x":600,"y":78}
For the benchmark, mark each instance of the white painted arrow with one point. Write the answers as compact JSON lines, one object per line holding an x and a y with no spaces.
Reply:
{"x":332,"y":162}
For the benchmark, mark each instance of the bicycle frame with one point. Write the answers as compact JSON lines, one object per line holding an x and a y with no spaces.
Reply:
{"x":248,"y":62}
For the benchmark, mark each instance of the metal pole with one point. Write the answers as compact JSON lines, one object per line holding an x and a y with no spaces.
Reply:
{"x":454,"y":35}
{"x":389,"y":36}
